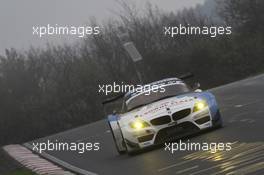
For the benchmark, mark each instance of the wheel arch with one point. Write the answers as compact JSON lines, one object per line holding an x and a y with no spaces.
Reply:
{"x":117,"y":134}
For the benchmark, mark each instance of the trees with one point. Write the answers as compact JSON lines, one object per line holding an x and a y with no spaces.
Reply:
{"x":246,"y":16}
{"x":47,"y":90}
{"x":247,"y":20}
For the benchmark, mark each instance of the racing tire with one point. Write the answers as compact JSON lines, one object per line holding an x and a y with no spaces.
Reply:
{"x":130,"y":151}
{"x":131,"y":147}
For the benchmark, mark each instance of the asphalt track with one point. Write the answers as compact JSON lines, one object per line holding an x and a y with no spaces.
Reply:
{"x":242,"y":108}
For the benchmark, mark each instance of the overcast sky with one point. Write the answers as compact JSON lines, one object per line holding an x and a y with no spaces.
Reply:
{"x":18,"y":16}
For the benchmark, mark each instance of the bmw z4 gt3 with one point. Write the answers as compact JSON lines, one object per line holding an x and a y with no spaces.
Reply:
{"x":150,"y":118}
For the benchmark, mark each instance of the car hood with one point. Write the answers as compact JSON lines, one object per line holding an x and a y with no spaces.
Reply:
{"x":159,"y":108}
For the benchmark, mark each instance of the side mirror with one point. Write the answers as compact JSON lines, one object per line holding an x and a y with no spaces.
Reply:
{"x":196,"y":86}
{"x":114,"y":112}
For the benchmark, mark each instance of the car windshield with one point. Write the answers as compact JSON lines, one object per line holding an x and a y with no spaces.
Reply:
{"x":150,"y":97}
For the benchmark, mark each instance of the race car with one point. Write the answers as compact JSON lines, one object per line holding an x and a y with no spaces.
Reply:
{"x":149,"y":118}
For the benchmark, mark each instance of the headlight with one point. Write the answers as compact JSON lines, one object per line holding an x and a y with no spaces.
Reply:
{"x":138,"y":124}
{"x":199,"y":105}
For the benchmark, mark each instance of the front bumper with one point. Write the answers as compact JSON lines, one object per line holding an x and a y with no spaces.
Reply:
{"x":176,"y":129}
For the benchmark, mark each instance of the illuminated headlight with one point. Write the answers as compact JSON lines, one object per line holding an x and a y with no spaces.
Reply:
{"x":138,"y":124}
{"x":199,"y":105}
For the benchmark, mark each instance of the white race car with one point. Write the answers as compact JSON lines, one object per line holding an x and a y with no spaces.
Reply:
{"x":149,"y":118}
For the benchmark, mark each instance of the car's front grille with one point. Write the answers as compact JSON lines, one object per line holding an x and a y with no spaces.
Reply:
{"x":145,"y":138}
{"x":161,"y":120}
{"x":181,"y":114}
{"x":203,"y":120}
{"x":175,"y":132}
